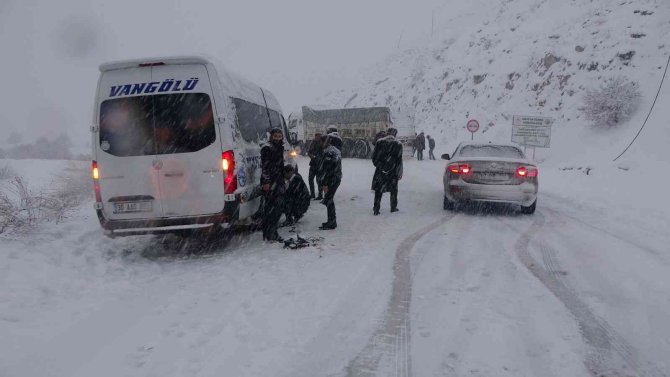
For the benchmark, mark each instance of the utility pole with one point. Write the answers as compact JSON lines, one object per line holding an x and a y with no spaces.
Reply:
{"x":400,"y":39}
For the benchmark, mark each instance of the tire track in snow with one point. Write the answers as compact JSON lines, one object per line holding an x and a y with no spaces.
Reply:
{"x":392,"y":338}
{"x":601,"y":338}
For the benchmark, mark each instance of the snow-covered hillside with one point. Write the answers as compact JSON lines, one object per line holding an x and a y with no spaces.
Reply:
{"x":492,"y":60}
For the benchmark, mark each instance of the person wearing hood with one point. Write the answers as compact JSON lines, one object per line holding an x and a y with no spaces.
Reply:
{"x":420,"y":143}
{"x":297,"y":196}
{"x":431,"y":147}
{"x":337,"y":140}
{"x":330,"y":176}
{"x":315,"y":152}
{"x":387,"y":159}
{"x":272,"y":183}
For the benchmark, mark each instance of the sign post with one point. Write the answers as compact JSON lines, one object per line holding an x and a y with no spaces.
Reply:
{"x":472,"y":126}
{"x":532,"y":131}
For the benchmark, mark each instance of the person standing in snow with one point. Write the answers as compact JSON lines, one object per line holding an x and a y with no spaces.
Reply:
{"x":413,"y":141}
{"x":272,"y":183}
{"x":420,"y":146}
{"x":315,"y":152}
{"x":337,"y":140}
{"x":431,"y":147}
{"x":331,"y":176}
{"x":297,"y":196}
{"x":387,"y":159}
{"x":380,"y":135}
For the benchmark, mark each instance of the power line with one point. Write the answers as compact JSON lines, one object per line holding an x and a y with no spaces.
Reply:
{"x":650,"y":110}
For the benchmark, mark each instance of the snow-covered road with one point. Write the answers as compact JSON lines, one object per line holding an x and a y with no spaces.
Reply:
{"x":570,"y":291}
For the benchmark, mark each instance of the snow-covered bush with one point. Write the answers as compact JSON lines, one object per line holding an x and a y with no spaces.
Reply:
{"x":6,"y":172}
{"x":22,"y":208}
{"x":19,"y":207}
{"x":613,"y":103}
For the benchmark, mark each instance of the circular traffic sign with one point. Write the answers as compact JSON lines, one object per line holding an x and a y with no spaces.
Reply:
{"x":473,"y":125}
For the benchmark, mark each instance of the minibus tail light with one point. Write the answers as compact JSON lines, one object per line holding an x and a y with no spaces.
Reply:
{"x":228,"y":166}
{"x":95,"y":173}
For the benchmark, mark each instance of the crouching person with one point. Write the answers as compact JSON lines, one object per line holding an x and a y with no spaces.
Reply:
{"x":296,"y":197}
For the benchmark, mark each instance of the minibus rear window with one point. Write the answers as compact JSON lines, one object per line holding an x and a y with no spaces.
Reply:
{"x":160,"y":124}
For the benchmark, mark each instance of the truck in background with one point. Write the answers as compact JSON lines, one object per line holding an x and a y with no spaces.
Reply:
{"x":358,"y":127}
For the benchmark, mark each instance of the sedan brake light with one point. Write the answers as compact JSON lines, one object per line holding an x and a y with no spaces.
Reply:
{"x":459,"y":169}
{"x":526,"y":171}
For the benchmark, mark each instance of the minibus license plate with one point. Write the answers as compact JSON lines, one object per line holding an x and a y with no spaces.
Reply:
{"x":127,"y":207}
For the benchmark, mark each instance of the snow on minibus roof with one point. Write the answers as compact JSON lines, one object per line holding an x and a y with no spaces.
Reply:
{"x":130,"y":63}
{"x":236,"y":85}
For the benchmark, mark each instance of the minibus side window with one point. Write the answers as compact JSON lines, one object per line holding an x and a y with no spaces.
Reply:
{"x":275,"y":117}
{"x":252,"y":121}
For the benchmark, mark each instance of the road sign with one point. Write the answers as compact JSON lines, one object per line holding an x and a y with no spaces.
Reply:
{"x":531,"y":121}
{"x":535,"y":136}
{"x":473,"y":125}
{"x":533,"y":131}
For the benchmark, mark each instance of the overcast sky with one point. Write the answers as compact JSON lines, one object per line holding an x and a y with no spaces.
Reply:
{"x":299,"y":49}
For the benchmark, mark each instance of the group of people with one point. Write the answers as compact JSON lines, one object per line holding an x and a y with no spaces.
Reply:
{"x":284,"y":190}
{"x":286,"y":193}
{"x":420,"y":145}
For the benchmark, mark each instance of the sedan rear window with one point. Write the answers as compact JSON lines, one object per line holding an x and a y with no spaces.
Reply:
{"x":158,"y":124}
{"x":503,"y":151}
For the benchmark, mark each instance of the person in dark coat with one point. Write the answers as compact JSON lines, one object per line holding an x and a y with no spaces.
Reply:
{"x":330,"y":176}
{"x":315,"y":152}
{"x":381,"y":134}
{"x":272,"y":183}
{"x":337,"y":140}
{"x":387,"y":159}
{"x":413,"y":142}
{"x":431,"y":147}
{"x":420,"y":146}
{"x":297,"y":196}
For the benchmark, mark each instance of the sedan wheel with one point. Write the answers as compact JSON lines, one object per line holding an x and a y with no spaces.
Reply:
{"x":448,"y":204}
{"x":529,"y":210}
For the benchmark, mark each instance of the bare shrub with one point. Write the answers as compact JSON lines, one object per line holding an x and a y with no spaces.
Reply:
{"x":613,"y":103}
{"x":70,"y":190}
{"x":6,"y":172}
{"x":22,"y":208}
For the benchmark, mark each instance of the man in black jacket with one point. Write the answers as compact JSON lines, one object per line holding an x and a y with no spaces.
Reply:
{"x":420,"y":146}
{"x":387,"y":159}
{"x":315,"y":152}
{"x":431,"y":147}
{"x":272,"y":183}
{"x":331,"y":176}
{"x":296,"y":198}
{"x":335,"y":141}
